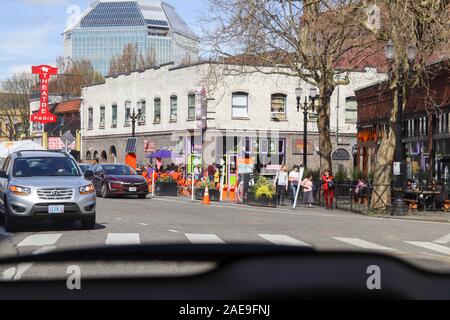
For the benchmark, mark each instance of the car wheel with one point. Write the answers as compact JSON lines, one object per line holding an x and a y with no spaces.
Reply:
{"x":88,"y":223}
{"x":10,"y":224}
{"x":105,"y":193}
{"x":142,"y":196}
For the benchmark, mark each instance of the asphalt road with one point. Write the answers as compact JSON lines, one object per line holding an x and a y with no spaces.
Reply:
{"x":177,"y":220}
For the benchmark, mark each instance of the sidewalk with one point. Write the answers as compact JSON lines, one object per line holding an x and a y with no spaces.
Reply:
{"x":439,"y":216}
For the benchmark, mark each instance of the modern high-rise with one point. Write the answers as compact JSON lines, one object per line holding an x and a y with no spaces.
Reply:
{"x":107,"y":26}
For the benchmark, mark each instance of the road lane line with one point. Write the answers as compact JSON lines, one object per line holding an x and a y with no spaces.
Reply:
{"x":123,"y":239}
{"x":443,"y":240}
{"x":15,"y":273}
{"x":40,"y":240}
{"x":364,"y":244}
{"x":174,"y":231}
{"x":431,"y":246}
{"x":143,"y":224}
{"x":204,"y":238}
{"x":283,"y":240}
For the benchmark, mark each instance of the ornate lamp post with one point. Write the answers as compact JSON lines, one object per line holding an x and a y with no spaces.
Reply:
{"x":312,"y":97}
{"x":133,"y":118}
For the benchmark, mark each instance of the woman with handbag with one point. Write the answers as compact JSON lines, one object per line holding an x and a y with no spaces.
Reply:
{"x":328,"y":189}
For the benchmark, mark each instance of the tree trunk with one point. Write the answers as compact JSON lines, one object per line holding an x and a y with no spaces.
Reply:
{"x":323,"y":125}
{"x":381,"y":195}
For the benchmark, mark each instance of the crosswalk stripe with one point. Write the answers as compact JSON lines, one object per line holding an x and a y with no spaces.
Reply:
{"x":283,"y":240}
{"x":204,"y":238}
{"x":40,"y":240}
{"x":15,"y":273}
{"x":123,"y":239}
{"x":443,"y":240}
{"x":364,"y":244}
{"x":431,"y":246}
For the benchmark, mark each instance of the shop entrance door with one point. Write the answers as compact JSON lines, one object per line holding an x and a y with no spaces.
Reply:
{"x":231,"y":169}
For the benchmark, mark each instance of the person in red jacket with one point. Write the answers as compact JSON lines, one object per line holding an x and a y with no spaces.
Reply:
{"x":328,"y":189}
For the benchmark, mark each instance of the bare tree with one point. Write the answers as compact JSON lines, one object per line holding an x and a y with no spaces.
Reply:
{"x":414,"y":28}
{"x":306,"y":39}
{"x":15,"y":105}
{"x":132,"y":59}
{"x":72,"y":76}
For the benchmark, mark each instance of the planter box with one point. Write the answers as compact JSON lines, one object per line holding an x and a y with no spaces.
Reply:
{"x":214,"y":194}
{"x":262,"y":202}
{"x":166,"y":189}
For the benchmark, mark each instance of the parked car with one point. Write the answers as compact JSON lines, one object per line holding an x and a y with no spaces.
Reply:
{"x":112,"y":180}
{"x":44,"y":185}
{"x":85,"y":167}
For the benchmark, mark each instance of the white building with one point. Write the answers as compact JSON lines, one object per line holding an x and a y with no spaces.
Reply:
{"x":257,"y":112}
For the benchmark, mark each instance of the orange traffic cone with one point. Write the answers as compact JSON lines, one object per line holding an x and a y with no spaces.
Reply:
{"x":206,"y":200}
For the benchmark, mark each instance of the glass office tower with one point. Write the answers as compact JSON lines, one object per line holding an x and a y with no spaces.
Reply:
{"x":107,"y":26}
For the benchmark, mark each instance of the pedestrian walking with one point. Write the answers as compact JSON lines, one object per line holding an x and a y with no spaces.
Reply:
{"x":282,"y":183}
{"x":328,"y":189}
{"x":307,"y":185}
{"x":294,"y":181}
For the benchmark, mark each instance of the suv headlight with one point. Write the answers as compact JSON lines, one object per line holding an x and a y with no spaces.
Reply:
{"x":21,"y":191}
{"x":87,"y":189}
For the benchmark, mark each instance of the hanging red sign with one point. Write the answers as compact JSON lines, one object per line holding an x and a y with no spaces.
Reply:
{"x":44,"y":115}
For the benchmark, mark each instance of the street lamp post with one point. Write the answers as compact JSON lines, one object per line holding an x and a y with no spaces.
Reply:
{"x":312,"y":98}
{"x":133,"y":118}
{"x":399,"y":206}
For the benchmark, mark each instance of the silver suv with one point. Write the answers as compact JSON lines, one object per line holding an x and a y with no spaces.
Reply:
{"x":45,"y":185}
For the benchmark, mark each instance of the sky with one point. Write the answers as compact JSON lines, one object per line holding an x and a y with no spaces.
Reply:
{"x":30,"y":30}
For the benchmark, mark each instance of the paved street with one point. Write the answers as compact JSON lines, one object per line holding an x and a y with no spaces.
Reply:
{"x":177,"y":220}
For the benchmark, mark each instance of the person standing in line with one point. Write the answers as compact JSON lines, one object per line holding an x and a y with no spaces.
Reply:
{"x":328,"y":189}
{"x":281,"y":183}
{"x":196,"y":172}
{"x":294,"y":180}
{"x":307,"y":185}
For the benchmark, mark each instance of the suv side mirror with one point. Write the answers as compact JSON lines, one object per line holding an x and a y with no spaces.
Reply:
{"x":89,"y":174}
{"x":3,"y":174}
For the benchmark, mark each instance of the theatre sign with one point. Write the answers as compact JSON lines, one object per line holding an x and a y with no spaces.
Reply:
{"x":43,"y":115}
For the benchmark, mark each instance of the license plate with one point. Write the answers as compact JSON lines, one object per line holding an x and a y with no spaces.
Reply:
{"x":134,"y":189}
{"x":55,"y":209}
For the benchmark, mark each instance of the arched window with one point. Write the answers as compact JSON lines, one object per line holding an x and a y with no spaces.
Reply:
{"x":104,"y":156}
{"x":96,"y":155}
{"x":239,"y":105}
{"x":142,"y":111}
{"x":113,"y":154}
{"x":341,"y":155}
{"x":157,"y":111}
{"x":173,"y":108}
{"x":88,"y":155}
{"x":278,"y":106}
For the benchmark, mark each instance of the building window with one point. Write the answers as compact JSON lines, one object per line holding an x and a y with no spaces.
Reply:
{"x":278,"y":106}
{"x":351,"y":110}
{"x":240,"y":105}
{"x":173,"y":108}
{"x":191,"y":106}
{"x":114,"y":116}
{"x":141,"y":105}
{"x":102,"y":118}
{"x":127,"y":113}
{"x":90,"y":119}
{"x":157,"y":111}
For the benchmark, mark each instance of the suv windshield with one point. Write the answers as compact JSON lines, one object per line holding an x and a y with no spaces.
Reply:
{"x":118,"y":170}
{"x":45,"y":167}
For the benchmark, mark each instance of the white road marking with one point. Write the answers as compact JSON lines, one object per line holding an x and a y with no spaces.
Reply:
{"x":443,"y":240}
{"x":283,"y":240}
{"x":123,"y":239}
{"x":120,"y":219}
{"x":364,"y":244}
{"x":15,"y":273}
{"x":174,"y":231}
{"x":431,"y":246}
{"x":204,"y":238}
{"x":4,"y":233}
{"x":143,"y":224}
{"x":40,"y":240}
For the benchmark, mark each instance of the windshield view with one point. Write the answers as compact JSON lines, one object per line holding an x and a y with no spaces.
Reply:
{"x":225,"y":149}
{"x":45,"y":167}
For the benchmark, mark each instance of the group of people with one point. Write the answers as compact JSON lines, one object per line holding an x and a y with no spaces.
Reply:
{"x":437,"y":197}
{"x":290,"y":182}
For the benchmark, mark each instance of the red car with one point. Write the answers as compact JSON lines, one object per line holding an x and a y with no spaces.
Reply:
{"x":114,"y":180}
